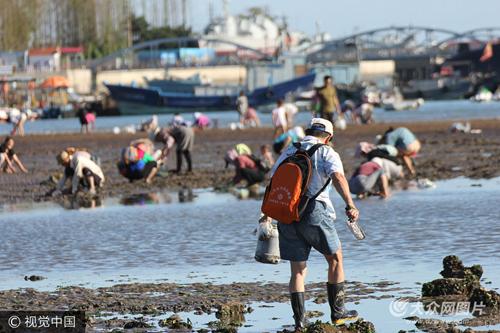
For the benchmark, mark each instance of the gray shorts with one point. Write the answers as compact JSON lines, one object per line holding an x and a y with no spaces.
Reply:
{"x":315,"y":229}
{"x":362,"y":184}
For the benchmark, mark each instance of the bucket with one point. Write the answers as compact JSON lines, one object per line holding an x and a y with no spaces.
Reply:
{"x":268,"y":250}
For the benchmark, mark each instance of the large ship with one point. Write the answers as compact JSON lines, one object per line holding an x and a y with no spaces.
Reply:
{"x":137,"y":100}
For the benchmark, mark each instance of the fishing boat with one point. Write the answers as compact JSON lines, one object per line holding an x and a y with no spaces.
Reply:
{"x":136,"y":100}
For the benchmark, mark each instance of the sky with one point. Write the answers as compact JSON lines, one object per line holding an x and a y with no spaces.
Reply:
{"x":344,"y":17}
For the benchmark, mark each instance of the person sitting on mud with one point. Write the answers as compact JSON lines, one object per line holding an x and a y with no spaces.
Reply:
{"x":82,"y":170}
{"x":248,"y":168}
{"x":407,"y":144}
{"x":201,"y":121}
{"x":369,"y":179}
{"x":8,"y":157}
{"x":286,"y":139}
{"x":180,"y":136}
{"x":137,"y":163}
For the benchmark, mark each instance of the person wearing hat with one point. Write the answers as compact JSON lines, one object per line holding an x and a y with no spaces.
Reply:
{"x":246,"y":168}
{"x":316,"y":227}
{"x":180,"y":136}
{"x":81,"y":169}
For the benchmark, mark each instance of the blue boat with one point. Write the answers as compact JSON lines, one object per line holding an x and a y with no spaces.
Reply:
{"x":135,"y":100}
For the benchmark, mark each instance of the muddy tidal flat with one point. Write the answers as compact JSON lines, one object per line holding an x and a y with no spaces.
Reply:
{"x":443,"y":156}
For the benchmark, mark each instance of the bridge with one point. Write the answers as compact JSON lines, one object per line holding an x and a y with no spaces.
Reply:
{"x":401,"y":41}
{"x":383,"y":43}
{"x":125,"y":55}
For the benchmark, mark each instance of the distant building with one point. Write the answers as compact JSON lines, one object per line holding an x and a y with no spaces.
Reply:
{"x":54,"y":58}
{"x":10,"y":62}
{"x":257,"y":31}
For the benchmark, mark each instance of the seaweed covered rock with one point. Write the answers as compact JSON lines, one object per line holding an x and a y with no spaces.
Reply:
{"x":489,"y":298}
{"x":175,"y":322}
{"x":359,"y":326}
{"x":454,"y":268}
{"x":449,"y":286}
{"x":457,"y":279}
{"x":463,"y":284}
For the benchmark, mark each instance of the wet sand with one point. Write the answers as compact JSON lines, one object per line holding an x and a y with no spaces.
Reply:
{"x":229,"y":302}
{"x":444,"y":155}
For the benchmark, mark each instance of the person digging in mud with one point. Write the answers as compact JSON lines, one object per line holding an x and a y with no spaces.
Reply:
{"x":180,"y":136}
{"x":316,"y":226}
{"x":82,"y":170}
{"x":248,"y":168}
{"x":407,"y":144}
{"x":8,"y":157}
{"x":137,"y":162}
{"x":369,"y":179}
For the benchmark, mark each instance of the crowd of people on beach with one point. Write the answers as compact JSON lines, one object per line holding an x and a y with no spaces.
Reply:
{"x":383,"y":160}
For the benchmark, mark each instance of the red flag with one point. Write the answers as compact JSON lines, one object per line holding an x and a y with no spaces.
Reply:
{"x":487,"y":53}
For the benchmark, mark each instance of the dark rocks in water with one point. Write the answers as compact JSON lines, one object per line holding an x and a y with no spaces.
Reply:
{"x":313,"y":314}
{"x":489,"y":298}
{"x":232,"y":312}
{"x":460,"y":283}
{"x":449,"y":286}
{"x":136,"y":324}
{"x":359,"y":326}
{"x":175,"y":322}
{"x":454,"y":268}
{"x":457,"y":279}
{"x":34,"y":278}
{"x":231,"y":315}
{"x":436,"y":326}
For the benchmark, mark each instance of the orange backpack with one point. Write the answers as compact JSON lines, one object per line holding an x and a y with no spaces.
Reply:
{"x":285,"y":199}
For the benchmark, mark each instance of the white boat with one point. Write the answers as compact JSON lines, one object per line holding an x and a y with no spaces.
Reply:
{"x":396,"y":102}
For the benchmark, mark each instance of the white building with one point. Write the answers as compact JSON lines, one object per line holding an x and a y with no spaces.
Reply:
{"x":259,"y":31}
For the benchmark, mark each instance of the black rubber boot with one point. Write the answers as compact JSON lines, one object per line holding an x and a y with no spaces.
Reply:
{"x":336,"y":299}
{"x":299,"y":310}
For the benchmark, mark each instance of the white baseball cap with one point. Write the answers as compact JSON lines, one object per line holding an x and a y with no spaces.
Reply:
{"x":321,"y":124}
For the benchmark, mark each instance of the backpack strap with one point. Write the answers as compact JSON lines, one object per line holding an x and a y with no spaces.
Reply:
{"x":297,"y":145}
{"x":313,"y":149}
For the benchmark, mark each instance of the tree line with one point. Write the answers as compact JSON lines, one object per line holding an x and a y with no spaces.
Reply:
{"x":100,"y":26}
